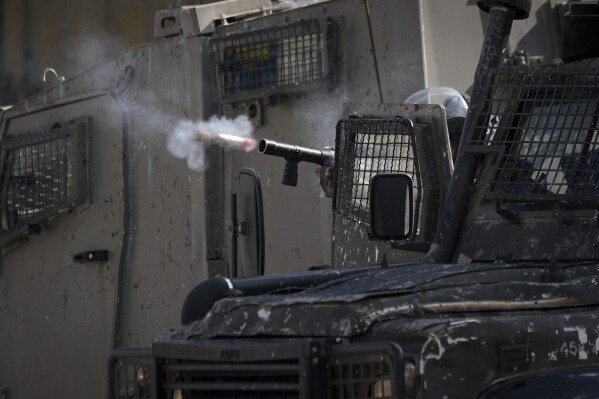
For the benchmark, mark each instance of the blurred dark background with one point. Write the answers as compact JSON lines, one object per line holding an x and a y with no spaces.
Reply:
{"x":68,"y":35}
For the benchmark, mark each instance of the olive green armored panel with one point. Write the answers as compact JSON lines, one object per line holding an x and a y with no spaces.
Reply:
{"x":144,"y":217}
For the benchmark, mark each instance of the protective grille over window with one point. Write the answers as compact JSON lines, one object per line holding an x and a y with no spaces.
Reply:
{"x":542,"y":124}
{"x":273,"y":60}
{"x":363,"y":148}
{"x":44,"y":174}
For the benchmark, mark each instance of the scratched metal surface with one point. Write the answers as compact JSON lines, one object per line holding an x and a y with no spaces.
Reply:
{"x":54,"y":312}
{"x":147,"y":211}
{"x":395,"y":292}
{"x":551,"y":340}
{"x":463,"y":332}
{"x":561,"y":228}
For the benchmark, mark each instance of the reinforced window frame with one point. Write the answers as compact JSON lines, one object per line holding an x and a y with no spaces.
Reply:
{"x":265,"y":61}
{"x":44,"y":174}
{"x":356,"y":207}
{"x":529,"y":135}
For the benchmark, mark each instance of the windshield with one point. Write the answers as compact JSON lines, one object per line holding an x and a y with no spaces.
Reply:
{"x":538,"y":126}
{"x":544,"y":149}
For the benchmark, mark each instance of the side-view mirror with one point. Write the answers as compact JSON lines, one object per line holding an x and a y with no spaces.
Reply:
{"x":250,"y":225}
{"x":391,"y":206}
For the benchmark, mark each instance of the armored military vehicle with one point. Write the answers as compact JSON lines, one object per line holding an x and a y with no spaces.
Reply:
{"x":104,"y":232}
{"x":504,"y":303}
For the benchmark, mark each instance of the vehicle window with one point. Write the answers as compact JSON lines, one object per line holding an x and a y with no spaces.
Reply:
{"x":364,"y":148}
{"x":538,"y":128}
{"x":44,"y":174}
{"x":559,"y":145}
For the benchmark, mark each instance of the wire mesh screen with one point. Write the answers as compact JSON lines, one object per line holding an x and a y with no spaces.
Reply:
{"x":363,"y":148}
{"x":542,"y":124}
{"x":271,"y":60}
{"x":44,"y":174}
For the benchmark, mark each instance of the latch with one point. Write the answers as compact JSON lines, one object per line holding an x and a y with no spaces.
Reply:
{"x":98,"y":256}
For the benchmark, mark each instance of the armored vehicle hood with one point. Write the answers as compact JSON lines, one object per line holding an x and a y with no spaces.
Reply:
{"x":400,"y":292}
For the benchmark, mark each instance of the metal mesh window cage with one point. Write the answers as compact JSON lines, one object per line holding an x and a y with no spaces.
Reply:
{"x":44,"y":174}
{"x":273,"y":60}
{"x":540,"y":125}
{"x":366,"y":373}
{"x":365,"y":147}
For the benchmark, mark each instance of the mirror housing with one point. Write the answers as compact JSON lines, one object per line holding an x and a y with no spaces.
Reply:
{"x":391,"y":206}
{"x":250,"y":227}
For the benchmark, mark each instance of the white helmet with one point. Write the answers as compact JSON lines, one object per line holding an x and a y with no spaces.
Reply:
{"x":455,"y":105}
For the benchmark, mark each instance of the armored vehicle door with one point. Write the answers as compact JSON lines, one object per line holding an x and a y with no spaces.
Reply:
{"x":62,"y":237}
{"x":388,"y":138}
{"x":537,"y":183}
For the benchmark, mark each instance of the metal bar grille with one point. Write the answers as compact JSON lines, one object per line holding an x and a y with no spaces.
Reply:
{"x":131,"y":374}
{"x":43,"y":174}
{"x":541,"y":125}
{"x":279,"y":379}
{"x":363,"y":148}
{"x":365,"y":373}
{"x":273,"y":60}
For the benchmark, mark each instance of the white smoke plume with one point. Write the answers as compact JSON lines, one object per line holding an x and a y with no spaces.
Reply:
{"x":188,"y":138}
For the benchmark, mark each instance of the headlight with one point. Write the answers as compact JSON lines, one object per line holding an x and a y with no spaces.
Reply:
{"x":142,"y":374}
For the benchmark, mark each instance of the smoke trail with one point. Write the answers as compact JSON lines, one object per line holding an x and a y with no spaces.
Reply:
{"x":188,"y":138}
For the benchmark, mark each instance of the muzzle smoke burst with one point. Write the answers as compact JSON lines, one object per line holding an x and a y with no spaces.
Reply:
{"x":188,"y":138}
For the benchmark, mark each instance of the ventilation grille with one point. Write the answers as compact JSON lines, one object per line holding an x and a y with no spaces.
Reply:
{"x":274,"y":60}
{"x":232,"y":380}
{"x":540,"y":124}
{"x":44,"y":175}
{"x":514,"y":357}
{"x":363,"y":148}
{"x":310,"y":369}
